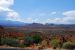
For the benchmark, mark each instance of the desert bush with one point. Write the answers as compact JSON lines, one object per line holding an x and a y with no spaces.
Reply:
{"x":44,"y":44}
{"x":55,"y":43}
{"x":31,"y":40}
{"x":9,"y":41}
{"x":28,"y":41}
{"x":37,"y":39}
{"x":68,"y":45}
{"x":21,"y":45}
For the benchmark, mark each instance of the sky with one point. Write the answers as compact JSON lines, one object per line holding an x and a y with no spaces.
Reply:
{"x":38,"y":11}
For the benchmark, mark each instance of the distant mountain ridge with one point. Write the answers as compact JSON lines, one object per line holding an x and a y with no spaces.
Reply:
{"x":38,"y":25}
{"x":17,"y":23}
{"x":11,"y":23}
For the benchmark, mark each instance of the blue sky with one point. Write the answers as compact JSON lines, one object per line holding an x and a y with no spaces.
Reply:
{"x":39,"y":11}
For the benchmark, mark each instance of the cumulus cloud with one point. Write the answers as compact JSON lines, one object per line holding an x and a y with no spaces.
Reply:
{"x":69,"y":13}
{"x":10,"y":13}
{"x":5,"y":4}
{"x":4,"y":9}
{"x":68,"y":16}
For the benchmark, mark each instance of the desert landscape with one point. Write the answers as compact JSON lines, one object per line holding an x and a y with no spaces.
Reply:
{"x":38,"y":36}
{"x":37,"y":24}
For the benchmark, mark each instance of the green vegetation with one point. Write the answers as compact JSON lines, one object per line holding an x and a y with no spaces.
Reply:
{"x":31,"y":40}
{"x":28,"y":41}
{"x":36,"y":39}
{"x":55,"y":43}
{"x":9,"y":41}
{"x":42,"y":39}
{"x":68,"y":45}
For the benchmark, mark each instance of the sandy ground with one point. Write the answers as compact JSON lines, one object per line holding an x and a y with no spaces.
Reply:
{"x":30,"y":48}
{"x":56,"y":49}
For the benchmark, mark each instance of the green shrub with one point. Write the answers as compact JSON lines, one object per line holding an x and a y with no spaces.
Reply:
{"x":31,"y":40}
{"x":37,"y":39}
{"x":21,"y":45}
{"x":55,"y":43}
{"x":68,"y":45}
{"x":9,"y":41}
{"x":28,"y":41}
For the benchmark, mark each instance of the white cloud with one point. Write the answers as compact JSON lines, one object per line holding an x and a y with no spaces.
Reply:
{"x":68,"y":17}
{"x":5,"y":9}
{"x":10,"y":13}
{"x":12,"y":16}
{"x":6,"y":3}
{"x":69,"y":13}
